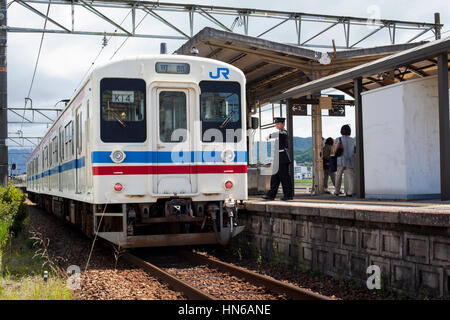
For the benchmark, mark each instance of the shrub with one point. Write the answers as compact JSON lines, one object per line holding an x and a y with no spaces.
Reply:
{"x":13,"y":212}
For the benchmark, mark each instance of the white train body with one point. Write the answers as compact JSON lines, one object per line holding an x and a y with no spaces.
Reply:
{"x":154,"y":129}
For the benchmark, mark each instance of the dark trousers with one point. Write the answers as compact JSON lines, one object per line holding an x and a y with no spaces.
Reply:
{"x":281,"y":176}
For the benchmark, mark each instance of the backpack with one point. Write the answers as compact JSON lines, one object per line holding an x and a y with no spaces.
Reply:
{"x":340,"y":149}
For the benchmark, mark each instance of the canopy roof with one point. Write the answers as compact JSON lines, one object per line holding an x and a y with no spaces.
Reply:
{"x":272,"y":68}
{"x":409,"y":64}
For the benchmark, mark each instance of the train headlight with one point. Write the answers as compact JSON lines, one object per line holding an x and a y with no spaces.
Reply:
{"x":117,"y":156}
{"x":227,"y":156}
{"x":228,"y":185}
{"x":118,"y":187}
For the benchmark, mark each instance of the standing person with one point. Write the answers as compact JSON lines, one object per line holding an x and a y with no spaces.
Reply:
{"x":345,"y":153}
{"x":327,"y":170}
{"x":282,"y":161}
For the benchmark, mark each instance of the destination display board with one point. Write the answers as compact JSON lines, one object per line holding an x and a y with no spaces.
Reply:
{"x":173,"y":68}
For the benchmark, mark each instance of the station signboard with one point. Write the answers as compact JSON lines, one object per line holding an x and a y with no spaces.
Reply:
{"x":337,"y":110}
{"x":299,"y":109}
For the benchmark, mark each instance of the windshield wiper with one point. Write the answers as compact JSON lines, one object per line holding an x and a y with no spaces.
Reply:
{"x":227,"y":119}
{"x":118,"y":119}
{"x":115,"y":115}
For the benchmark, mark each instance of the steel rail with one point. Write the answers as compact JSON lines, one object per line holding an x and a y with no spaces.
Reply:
{"x":193,"y":292}
{"x":256,"y":278}
{"x":190,"y":291}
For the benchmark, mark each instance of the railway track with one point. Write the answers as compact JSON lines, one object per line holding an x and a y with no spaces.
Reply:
{"x":204,"y":278}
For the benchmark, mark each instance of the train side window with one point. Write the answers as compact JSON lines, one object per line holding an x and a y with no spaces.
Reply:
{"x":61,"y":144}
{"x":71,"y":139}
{"x":68,"y":134}
{"x":45,"y":158}
{"x":123,"y":110}
{"x":172,"y":114}
{"x":50,"y":154}
{"x":55,"y":150}
{"x":220,"y":107}
{"x":79,"y":135}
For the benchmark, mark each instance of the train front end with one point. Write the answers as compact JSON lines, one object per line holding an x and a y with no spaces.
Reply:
{"x":168,"y":158}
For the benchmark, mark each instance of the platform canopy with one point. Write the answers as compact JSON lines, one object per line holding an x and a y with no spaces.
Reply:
{"x":416,"y":62}
{"x":421,"y":61}
{"x":272,"y":68}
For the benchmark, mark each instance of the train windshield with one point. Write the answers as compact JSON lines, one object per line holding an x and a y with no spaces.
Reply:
{"x":220,"y":108}
{"x":123,"y":111}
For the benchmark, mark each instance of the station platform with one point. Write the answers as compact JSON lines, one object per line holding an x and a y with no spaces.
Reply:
{"x":343,"y":236}
{"x":433,"y":213}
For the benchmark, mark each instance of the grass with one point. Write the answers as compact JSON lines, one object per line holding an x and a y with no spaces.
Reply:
{"x":303,"y":180}
{"x":24,"y":260}
{"x":33,"y":288}
{"x":22,"y":271}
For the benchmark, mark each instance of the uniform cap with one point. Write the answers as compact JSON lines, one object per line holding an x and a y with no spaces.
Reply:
{"x":278,"y":119}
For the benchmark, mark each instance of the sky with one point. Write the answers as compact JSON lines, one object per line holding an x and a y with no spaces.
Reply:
{"x":65,"y":59}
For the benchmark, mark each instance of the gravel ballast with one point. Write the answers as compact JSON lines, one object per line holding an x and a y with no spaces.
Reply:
{"x":103,"y":280}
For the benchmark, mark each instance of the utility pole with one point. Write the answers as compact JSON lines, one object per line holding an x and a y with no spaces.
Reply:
{"x":3,"y":97}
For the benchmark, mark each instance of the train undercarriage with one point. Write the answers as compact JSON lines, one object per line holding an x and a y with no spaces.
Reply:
{"x":174,"y":221}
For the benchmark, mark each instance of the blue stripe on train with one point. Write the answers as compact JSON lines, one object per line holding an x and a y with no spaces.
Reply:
{"x":167,"y":156}
{"x":69,"y":165}
{"x":146,"y":157}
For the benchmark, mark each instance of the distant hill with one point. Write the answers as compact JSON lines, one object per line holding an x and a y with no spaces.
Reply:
{"x":302,"y":149}
{"x":302,"y":144}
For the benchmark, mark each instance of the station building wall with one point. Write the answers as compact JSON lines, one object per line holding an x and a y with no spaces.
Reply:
{"x":401,"y":140}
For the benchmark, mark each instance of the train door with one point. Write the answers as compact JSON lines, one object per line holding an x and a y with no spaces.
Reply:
{"x":60,"y":157}
{"x":46,"y":185}
{"x":79,"y":159}
{"x":174,"y":145}
{"x":87,"y":151}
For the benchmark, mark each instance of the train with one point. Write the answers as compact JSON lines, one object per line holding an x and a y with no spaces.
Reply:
{"x":151,"y":151}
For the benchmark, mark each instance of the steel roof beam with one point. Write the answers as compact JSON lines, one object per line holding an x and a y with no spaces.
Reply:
{"x":90,"y":33}
{"x":41,"y":14}
{"x":367,"y":36}
{"x":214,"y":20}
{"x":275,"y":26}
{"x":242,"y":14}
{"x":167,"y":23}
{"x":101,"y":15}
{"x":185,"y":7}
{"x":321,"y":32}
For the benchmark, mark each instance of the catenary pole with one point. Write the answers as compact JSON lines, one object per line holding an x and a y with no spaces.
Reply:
{"x":3,"y":98}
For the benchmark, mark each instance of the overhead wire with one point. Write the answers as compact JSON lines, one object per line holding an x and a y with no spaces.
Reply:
{"x":99,"y":53}
{"x":137,"y":25}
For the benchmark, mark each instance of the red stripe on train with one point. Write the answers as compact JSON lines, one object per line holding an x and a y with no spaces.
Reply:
{"x":196,"y":169}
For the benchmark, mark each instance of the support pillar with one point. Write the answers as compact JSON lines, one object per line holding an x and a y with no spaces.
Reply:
{"x":359,"y":168}
{"x":316,"y":119}
{"x":290,"y":130}
{"x":3,"y":98}
{"x":444,"y":131}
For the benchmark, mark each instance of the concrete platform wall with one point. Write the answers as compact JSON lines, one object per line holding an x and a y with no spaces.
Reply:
{"x":412,"y":249}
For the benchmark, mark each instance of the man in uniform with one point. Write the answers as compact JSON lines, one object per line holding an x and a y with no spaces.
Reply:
{"x":282,"y":161}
